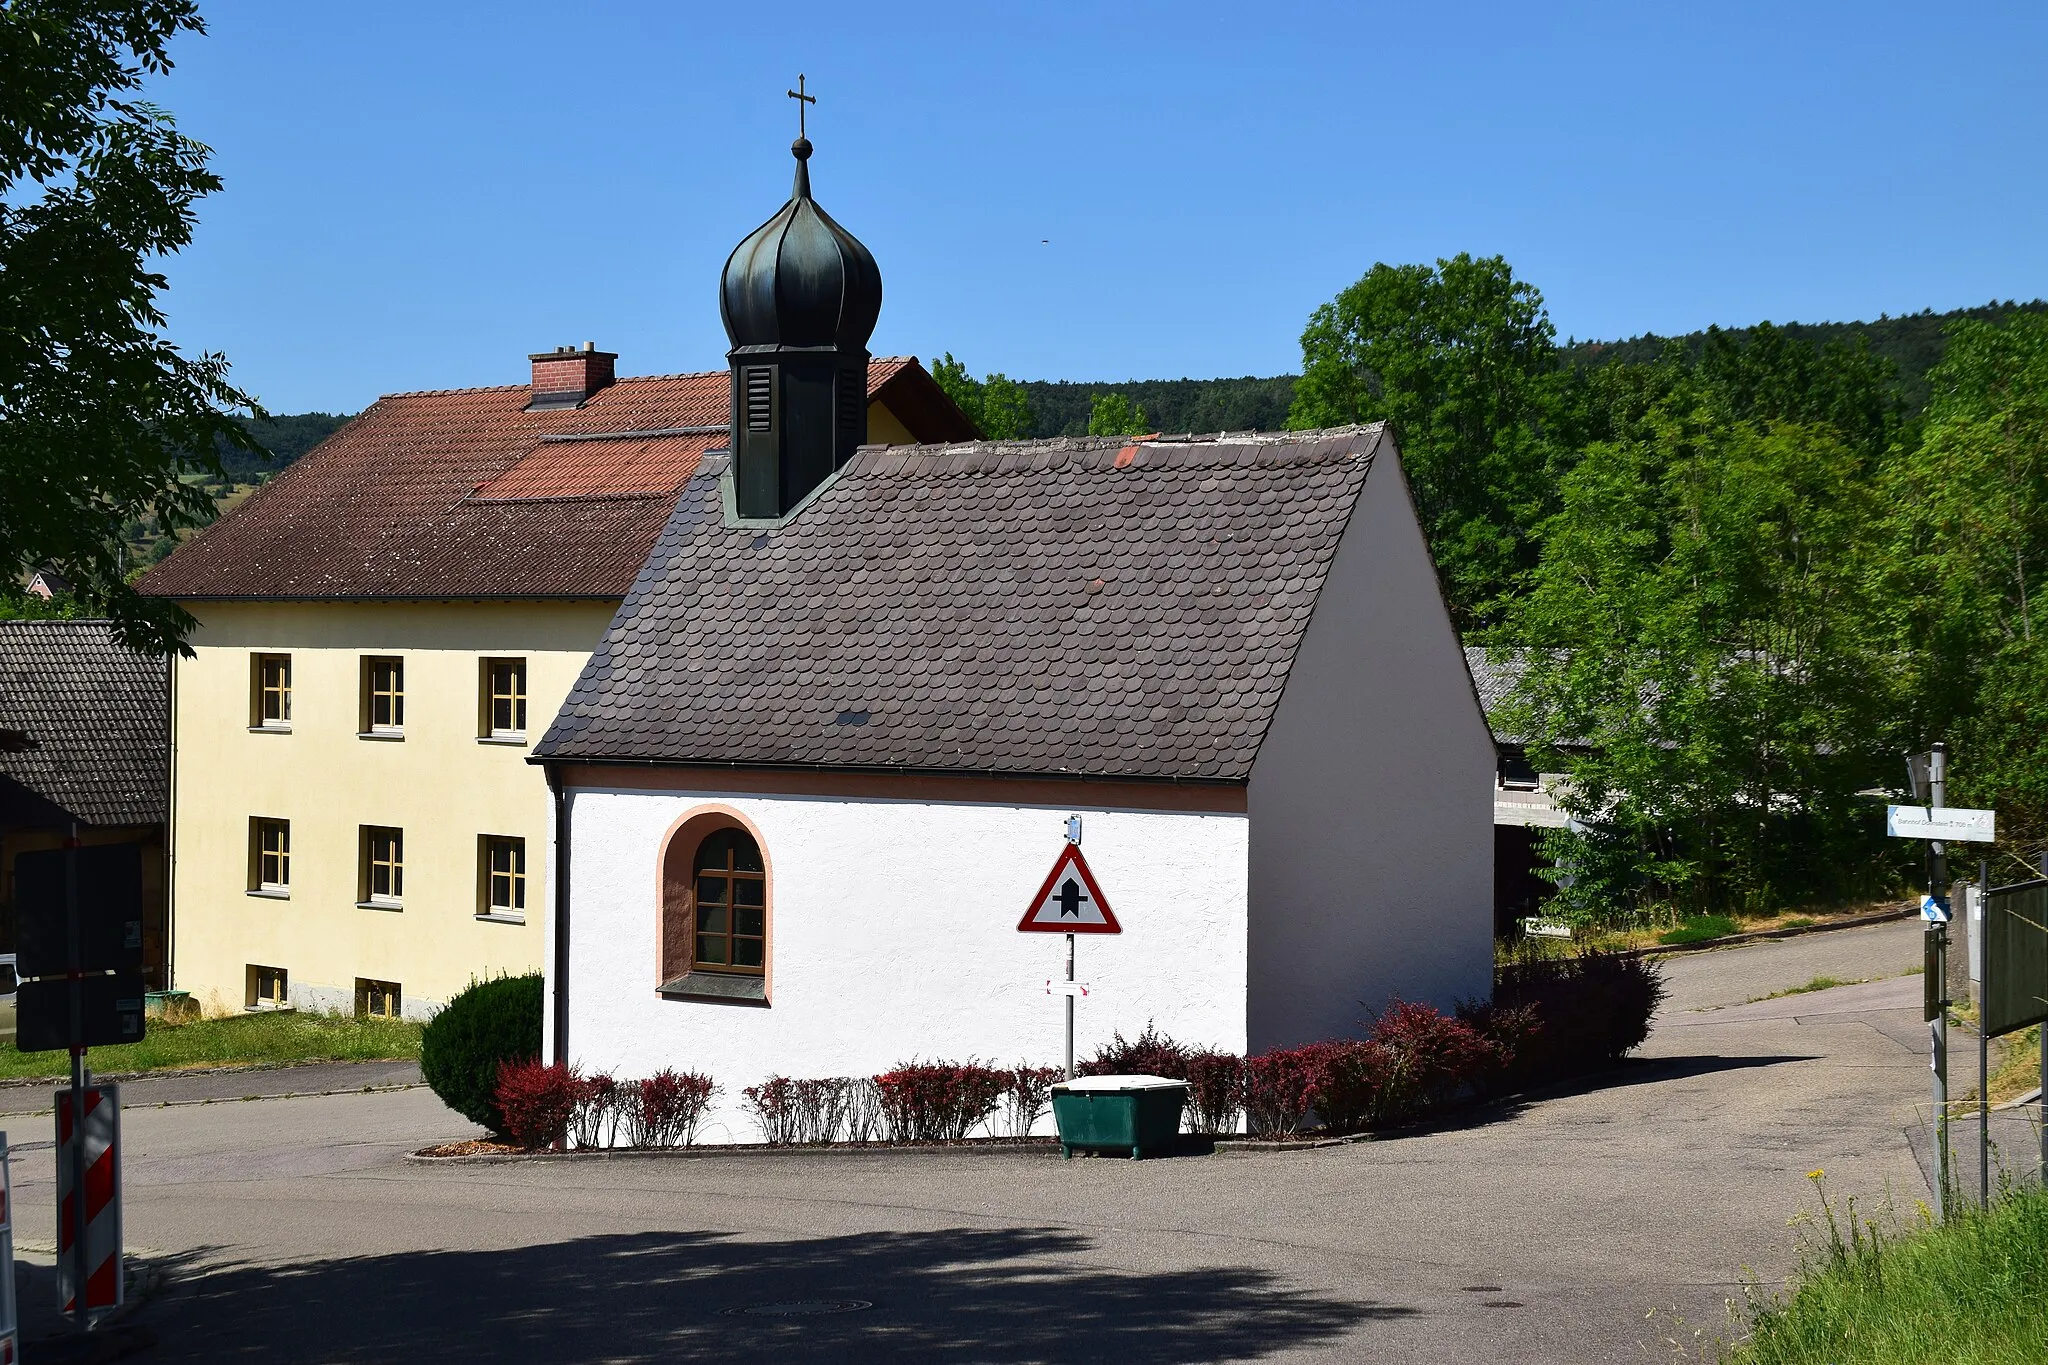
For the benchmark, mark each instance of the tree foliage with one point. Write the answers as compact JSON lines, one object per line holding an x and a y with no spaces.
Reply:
{"x":1113,"y":414}
{"x":99,"y":414}
{"x":1969,"y":523}
{"x":1461,"y":358}
{"x":997,"y":404}
{"x":1698,"y":652}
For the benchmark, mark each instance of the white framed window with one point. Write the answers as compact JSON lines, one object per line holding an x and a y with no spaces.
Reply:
{"x":378,"y":999}
{"x":270,"y":691}
{"x":502,"y":877}
{"x":269,"y":988}
{"x":503,"y":708}
{"x":270,"y":856}
{"x":383,"y":696}
{"x":383,"y":867}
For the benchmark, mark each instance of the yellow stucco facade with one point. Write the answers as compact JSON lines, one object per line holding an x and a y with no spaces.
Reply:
{"x":445,"y":786}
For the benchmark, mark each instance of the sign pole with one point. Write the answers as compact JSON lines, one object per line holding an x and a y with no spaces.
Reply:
{"x":80,"y":1260}
{"x":1937,"y":887}
{"x":1983,"y":1053}
{"x":1070,"y":1007}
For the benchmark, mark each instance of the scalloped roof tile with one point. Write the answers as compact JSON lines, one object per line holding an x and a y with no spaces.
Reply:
{"x":1076,"y":607}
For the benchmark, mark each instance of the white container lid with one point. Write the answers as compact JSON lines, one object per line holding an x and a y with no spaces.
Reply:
{"x":1112,"y":1083}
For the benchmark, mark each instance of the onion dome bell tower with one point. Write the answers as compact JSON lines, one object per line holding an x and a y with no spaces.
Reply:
{"x":799,"y":298}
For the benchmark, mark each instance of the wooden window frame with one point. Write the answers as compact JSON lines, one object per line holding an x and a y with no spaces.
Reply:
{"x":369,"y":992}
{"x":487,"y":848}
{"x":374,"y":694}
{"x":255,"y":998}
{"x":732,"y":876}
{"x":260,"y":856}
{"x":261,"y":692}
{"x":370,"y":864}
{"x":488,"y":697}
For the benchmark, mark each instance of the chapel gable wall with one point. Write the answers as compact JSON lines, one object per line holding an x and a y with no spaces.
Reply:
{"x":1371,"y":855}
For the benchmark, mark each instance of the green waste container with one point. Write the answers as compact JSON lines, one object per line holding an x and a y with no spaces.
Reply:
{"x":1135,"y":1114}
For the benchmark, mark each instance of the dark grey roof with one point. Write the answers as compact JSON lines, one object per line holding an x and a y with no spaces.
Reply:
{"x":1072,"y":607}
{"x":83,"y":726}
{"x":1493,"y":678}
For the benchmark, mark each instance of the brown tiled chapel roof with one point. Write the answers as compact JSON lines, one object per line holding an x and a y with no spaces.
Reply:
{"x":461,"y":493}
{"x":1073,"y":607}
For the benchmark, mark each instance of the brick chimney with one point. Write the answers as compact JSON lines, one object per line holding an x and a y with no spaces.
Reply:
{"x":566,"y":377}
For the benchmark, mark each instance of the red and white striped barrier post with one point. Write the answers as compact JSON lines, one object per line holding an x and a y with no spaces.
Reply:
{"x":102,"y":1161}
{"x":10,"y":1323}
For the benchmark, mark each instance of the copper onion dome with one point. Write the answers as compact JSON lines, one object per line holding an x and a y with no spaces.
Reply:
{"x":800,"y":279}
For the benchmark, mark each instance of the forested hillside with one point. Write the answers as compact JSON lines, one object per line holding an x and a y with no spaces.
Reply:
{"x":1061,"y":407}
{"x":286,"y":437}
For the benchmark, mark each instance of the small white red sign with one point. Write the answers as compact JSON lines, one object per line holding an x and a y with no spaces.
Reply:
{"x":1070,"y":902}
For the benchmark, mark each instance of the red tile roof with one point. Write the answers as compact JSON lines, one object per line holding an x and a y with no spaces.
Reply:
{"x":463,"y":493}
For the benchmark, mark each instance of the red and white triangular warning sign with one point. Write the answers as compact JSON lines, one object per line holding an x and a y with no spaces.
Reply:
{"x":1070,"y":902}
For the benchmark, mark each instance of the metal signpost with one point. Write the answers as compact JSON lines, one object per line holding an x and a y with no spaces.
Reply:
{"x":1069,"y":903}
{"x":79,"y":953}
{"x":1937,"y":823}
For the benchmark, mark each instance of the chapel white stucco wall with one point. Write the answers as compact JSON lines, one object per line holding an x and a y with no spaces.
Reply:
{"x":893,"y":938}
{"x":1371,"y":859}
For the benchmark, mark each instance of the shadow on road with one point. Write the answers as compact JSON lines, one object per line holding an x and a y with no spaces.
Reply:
{"x":1012,"y":1295}
{"x":1632,"y":1072}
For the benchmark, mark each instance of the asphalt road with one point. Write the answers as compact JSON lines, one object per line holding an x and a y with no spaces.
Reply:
{"x":1596,"y":1224}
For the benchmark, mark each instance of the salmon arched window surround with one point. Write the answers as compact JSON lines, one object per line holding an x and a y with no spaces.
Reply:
{"x":714,"y":908}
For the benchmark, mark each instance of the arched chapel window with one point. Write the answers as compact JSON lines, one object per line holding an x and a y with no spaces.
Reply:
{"x":714,"y":912}
{"x":729,"y":895}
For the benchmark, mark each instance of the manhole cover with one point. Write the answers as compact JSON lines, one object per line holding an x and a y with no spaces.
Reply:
{"x":800,"y":1308}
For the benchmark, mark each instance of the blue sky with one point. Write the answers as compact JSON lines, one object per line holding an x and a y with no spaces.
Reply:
{"x":420,"y":194}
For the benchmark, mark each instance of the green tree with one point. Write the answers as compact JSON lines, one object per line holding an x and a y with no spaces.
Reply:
{"x":98,"y":413}
{"x":963,"y":388}
{"x":1703,"y":661}
{"x":1113,"y":414}
{"x":997,"y":404}
{"x":1462,"y":359}
{"x":1970,"y":527}
{"x":1005,"y":409}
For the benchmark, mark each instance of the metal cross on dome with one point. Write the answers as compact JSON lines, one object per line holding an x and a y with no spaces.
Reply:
{"x":801,"y":99}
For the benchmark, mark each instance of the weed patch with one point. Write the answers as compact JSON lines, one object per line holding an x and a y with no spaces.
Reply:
{"x":1699,"y":929}
{"x":1971,"y":1292}
{"x":1819,"y":983}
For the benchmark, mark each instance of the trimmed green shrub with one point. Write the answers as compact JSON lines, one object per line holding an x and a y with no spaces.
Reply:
{"x":1585,"y":1013}
{"x":487,"y":1024}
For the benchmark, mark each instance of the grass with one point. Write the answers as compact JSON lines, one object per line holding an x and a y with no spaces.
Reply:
{"x":1819,"y":983}
{"x":237,"y":1040}
{"x":2021,"y":1069}
{"x":1699,"y":929}
{"x":1972,"y":1292}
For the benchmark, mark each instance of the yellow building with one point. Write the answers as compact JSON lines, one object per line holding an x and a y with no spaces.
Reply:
{"x":383,"y":630}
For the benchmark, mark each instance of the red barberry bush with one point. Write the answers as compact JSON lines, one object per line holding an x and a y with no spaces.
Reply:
{"x":1215,"y":1092}
{"x":667,"y":1108}
{"x":537,"y":1101}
